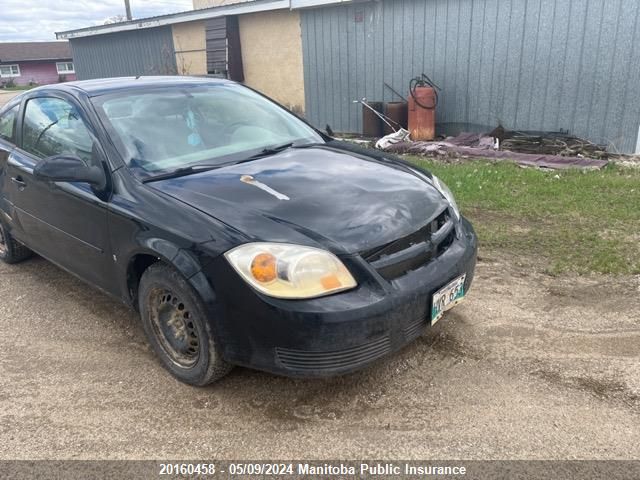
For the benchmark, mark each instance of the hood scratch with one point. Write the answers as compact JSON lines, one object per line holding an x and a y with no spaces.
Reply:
{"x":252,"y":181}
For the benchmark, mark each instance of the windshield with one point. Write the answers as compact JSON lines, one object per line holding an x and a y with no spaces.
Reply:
{"x":166,"y":129}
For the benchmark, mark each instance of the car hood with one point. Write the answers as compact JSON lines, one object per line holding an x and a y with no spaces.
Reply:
{"x":317,"y":196}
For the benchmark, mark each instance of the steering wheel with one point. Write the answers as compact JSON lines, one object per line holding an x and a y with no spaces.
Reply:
{"x":231,"y":128}
{"x":142,"y":149}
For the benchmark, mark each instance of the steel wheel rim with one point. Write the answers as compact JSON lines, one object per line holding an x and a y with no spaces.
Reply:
{"x":173,"y":326}
{"x":3,"y":243}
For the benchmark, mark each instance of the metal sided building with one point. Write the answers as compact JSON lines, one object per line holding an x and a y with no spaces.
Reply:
{"x":542,"y":65}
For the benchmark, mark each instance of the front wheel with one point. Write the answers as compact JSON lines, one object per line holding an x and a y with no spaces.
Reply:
{"x":176,"y":325}
{"x":11,"y":251}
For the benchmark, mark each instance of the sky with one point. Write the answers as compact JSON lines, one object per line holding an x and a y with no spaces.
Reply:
{"x":31,"y":20}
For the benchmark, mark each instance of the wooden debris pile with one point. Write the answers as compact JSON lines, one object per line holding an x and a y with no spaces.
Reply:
{"x":552,"y":144}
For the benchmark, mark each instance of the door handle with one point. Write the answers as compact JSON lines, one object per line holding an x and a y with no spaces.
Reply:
{"x":19,"y":182}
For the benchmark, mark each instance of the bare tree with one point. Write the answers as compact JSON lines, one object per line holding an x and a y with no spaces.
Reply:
{"x":167,"y":64}
{"x":184,"y":67}
{"x":115,"y":19}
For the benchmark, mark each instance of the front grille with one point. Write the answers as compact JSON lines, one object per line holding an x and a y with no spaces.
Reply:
{"x":415,"y":250}
{"x":333,"y":361}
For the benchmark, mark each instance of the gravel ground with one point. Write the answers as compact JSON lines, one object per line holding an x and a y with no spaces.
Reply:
{"x":529,"y":367}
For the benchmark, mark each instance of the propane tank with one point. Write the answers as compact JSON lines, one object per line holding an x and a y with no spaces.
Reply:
{"x":423,"y":99}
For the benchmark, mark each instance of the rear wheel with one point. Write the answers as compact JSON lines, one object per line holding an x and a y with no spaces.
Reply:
{"x":11,"y":251}
{"x":176,"y":325}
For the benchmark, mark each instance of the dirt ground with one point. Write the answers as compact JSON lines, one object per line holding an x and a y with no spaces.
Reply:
{"x":529,"y":367}
{"x":6,"y":96}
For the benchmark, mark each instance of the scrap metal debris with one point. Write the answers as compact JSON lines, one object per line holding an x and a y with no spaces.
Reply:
{"x":401,"y":135}
{"x":483,"y":146}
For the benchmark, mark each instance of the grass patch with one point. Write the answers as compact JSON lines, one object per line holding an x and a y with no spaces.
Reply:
{"x":17,"y":88}
{"x":575,"y":221}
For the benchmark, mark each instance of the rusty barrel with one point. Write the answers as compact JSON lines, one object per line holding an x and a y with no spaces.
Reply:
{"x":371,"y":123}
{"x":396,"y":111}
{"x":422,"y":114}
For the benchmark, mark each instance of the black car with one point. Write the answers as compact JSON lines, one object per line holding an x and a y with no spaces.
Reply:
{"x":242,"y":235}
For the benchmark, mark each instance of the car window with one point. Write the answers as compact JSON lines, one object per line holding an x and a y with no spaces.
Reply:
{"x":7,"y":123}
{"x":168,"y":128}
{"x":53,"y":126}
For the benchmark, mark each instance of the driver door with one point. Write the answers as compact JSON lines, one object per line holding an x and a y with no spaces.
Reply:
{"x":64,"y":222}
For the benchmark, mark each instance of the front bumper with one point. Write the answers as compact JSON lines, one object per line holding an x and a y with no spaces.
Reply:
{"x":339,"y":333}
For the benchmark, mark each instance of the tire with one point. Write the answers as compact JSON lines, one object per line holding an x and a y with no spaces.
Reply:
{"x":175,"y":322}
{"x":11,"y":251}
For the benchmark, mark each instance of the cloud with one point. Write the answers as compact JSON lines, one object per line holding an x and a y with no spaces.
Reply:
{"x":23,"y":21}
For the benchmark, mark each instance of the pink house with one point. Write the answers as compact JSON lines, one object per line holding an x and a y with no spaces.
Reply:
{"x":40,"y":63}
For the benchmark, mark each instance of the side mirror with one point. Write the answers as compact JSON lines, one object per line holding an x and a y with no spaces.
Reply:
{"x":68,"y":168}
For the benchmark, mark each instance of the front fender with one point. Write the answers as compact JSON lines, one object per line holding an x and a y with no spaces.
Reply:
{"x":180,"y":259}
{"x":186,"y":262}
{"x":148,"y":252}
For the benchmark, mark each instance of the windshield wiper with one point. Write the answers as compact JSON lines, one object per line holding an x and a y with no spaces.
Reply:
{"x":180,"y":172}
{"x":272,"y":150}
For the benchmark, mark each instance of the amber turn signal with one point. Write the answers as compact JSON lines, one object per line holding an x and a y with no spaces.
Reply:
{"x":263,"y":268}
{"x":330,"y":282}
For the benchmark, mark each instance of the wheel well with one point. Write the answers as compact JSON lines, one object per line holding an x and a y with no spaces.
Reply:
{"x":137,"y":266}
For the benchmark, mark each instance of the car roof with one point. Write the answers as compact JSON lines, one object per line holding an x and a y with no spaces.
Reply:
{"x":103,"y":86}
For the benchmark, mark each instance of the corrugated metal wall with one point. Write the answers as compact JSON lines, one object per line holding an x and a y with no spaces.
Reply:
{"x":148,"y":51}
{"x":527,"y":64}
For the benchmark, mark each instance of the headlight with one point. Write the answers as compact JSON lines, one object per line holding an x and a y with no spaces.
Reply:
{"x":290,"y":271}
{"x":447,"y":194}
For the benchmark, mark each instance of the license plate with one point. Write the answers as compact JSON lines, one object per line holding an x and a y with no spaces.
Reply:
{"x":446,"y":298}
